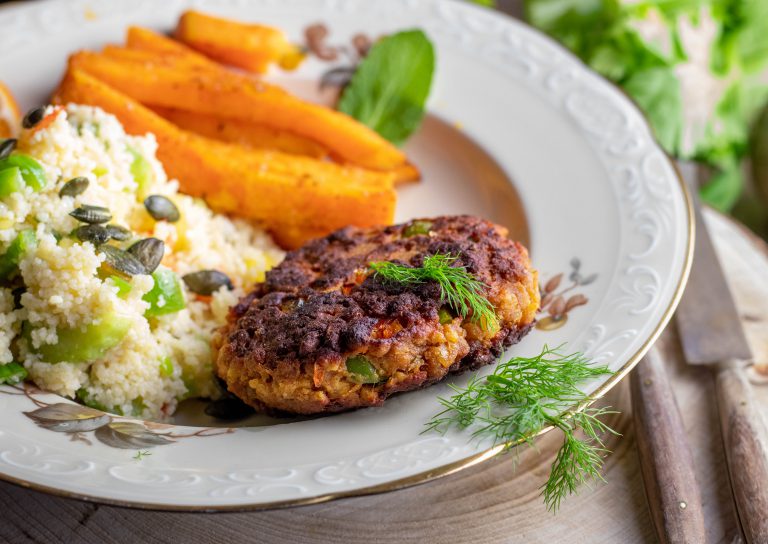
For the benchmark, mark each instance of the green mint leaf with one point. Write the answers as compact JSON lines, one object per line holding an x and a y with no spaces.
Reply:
{"x":390,"y":87}
{"x":657,"y":92}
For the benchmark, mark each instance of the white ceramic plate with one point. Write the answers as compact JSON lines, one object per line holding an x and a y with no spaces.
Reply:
{"x":510,"y":110}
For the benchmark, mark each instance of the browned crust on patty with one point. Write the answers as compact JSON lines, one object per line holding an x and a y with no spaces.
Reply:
{"x":287,"y":342}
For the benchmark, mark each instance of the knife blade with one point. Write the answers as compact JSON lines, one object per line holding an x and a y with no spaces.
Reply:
{"x":707,"y":317}
{"x":711,"y":334}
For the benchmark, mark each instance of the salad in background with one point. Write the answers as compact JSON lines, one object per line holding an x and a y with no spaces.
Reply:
{"x":697,"y":68}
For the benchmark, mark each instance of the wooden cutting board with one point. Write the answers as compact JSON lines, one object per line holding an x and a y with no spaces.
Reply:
{"x":492,"y":502}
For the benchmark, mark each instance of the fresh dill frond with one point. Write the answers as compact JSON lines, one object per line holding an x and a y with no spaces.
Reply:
{"x":523,"y":396}
{"x":459,"y":289}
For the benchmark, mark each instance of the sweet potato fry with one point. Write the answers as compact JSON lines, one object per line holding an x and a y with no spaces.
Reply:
{"x":231,"y":95}
{"x":251,"y":47}
{"x":169,"y":59}
{"x":242,"y":132}
{"x":144,"y":39}
{"x":407,"y":173}
{"x":295,"y":197}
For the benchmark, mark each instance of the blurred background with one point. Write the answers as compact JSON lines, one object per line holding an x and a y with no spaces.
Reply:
{"x":697,"y":68}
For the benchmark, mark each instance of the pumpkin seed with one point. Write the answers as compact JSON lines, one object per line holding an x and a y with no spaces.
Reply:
{"x":7,"y":147}
{"x":33,"y":117}
{"x":149,"y":252}
{"x":121,"y":234}
{"x":74,"y":187}
{"x":91,"y":214}
{"x":96,"y":234}
{"x":122,"y":262}
{"x":161,"y":208}
{"x":207,"y":282}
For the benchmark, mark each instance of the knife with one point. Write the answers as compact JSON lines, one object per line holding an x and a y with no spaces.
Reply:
{"x":666,"y":461}
{"x":711,"y":334}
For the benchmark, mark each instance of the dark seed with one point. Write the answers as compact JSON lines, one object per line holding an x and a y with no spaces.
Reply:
{"x":7,"y":147}
{"x":161,"y":208}
{"x":121,"y":261}
{"x":229,"y":407}
{"x":91,"y":214}
{"x":121,"y":234}
{"x":96,"y":234}
{"x":207,"y":282}
{"x":74,"y":187}
{"x":33,"y":117}
{"x":149,"y":252}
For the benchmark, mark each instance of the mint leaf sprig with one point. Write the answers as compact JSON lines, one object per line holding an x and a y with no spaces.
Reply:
{"x":458,"y":288}
{"x":523,"y":396}
{"x":389,"y":89}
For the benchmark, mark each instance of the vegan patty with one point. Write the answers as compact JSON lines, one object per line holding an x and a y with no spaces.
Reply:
{"x":324,"y":334}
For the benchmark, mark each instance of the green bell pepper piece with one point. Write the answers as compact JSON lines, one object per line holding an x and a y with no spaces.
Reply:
{"x":9,"y":261}
{"x":361,"y":369}
{"x":166,"y":367}
{"x":31,"y":171}
{"x":87,"y":343}
{"x":141,"y":171}
{"x":11,"y":181}
{"x":168,"y":289}
{"x":12,"y":373}
{"x":123,"y":287}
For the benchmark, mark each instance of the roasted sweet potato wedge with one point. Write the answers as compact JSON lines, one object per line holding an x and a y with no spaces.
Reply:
{"x":144,"y":39}
{"x":242,"y":132}
{"x":296,"y":197}
{"x":248,"y":46}
{"x":170,"y":59}
{"x":231,"y":95}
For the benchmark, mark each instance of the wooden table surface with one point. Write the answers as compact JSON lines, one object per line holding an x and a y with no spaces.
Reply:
{"x":488,"y":503}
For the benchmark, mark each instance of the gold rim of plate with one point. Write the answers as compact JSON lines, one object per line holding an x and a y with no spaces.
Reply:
{"x":451,"y":468}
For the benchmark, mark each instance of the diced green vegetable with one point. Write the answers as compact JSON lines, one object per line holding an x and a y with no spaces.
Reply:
{"x":9,"y":261}
{"x":141,"y":171}
{"x":361,"y":369}
{"x":90,"y":402}
{"x":123,"y":287}
{"x":101,"y":170}
{"x":87,"y":343}
{"x":11,"y":181}
{"x":137,"y":406}
{"x":445,"y":316}
{"x":12,"y":373}
{"x":166,"y":367}
{"x":416,"y":228}
{"x":166,"y":297}
{"x":31,"y":171}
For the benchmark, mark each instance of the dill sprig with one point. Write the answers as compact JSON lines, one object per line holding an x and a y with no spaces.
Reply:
{"x":459,"y":289}
{"x":523,"y":396}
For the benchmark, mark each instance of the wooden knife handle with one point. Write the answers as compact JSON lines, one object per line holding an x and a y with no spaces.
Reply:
{"x":665,"y":456}
{"x":746,"y":450}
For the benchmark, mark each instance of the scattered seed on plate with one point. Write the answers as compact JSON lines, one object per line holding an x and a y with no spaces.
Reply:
{"x":149,"y":252}
{"x":96,"y":234}
{"x":33,"y":117}
{"x":7,"y":147}
{"x":91,"y":214}
{"x":74,"y":187}
{"x":161,"y":208}
{"x":121,"y":261}
{"x":116,"y":232}
{"x":207,"y":282}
